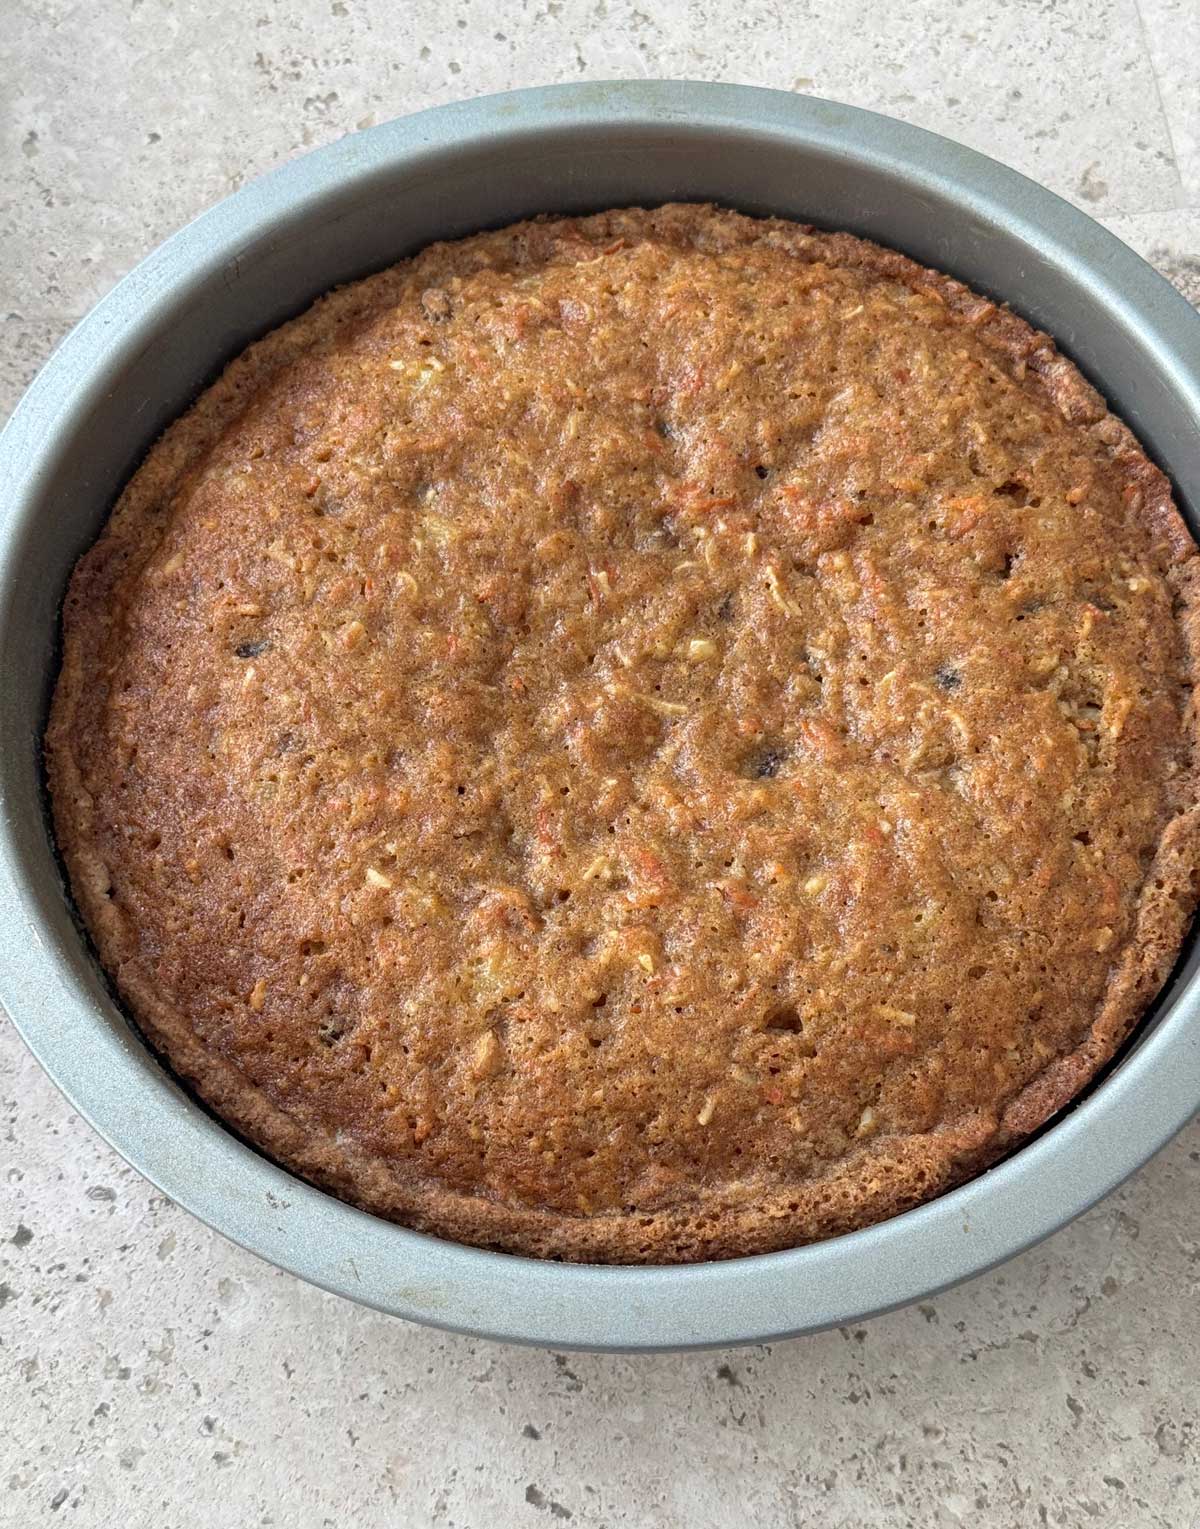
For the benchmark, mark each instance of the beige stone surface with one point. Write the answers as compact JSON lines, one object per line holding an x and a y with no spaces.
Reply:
{"x":1173,"y":36}
{"x":152,"y":1374}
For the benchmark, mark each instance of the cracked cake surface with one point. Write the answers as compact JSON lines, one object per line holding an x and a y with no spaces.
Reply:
{"x":638,"y":738}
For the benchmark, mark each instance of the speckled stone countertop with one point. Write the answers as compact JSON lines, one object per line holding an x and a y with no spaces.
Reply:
{"x":152,"y":1374}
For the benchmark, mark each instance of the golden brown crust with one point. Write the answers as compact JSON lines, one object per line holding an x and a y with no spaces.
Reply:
{"x":844,"y":834}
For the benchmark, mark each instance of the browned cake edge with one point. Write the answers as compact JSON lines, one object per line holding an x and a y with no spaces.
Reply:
{"x":878,"y":1181}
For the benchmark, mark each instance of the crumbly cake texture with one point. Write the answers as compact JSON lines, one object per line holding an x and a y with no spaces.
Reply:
{"x":640,"y":738}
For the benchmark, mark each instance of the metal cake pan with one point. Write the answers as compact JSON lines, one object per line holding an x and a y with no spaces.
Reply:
{"x":145,"y":352}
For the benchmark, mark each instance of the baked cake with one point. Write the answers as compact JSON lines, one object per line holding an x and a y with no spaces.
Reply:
{"x":639,"y":738}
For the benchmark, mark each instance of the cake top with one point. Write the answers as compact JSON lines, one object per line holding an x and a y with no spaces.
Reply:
{"x":642,"y":737}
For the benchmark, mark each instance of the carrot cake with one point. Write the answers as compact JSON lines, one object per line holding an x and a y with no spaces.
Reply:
{"x":638,"y":738}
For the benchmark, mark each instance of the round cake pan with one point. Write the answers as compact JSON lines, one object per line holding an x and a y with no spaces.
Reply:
{"x":147,"y":350}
